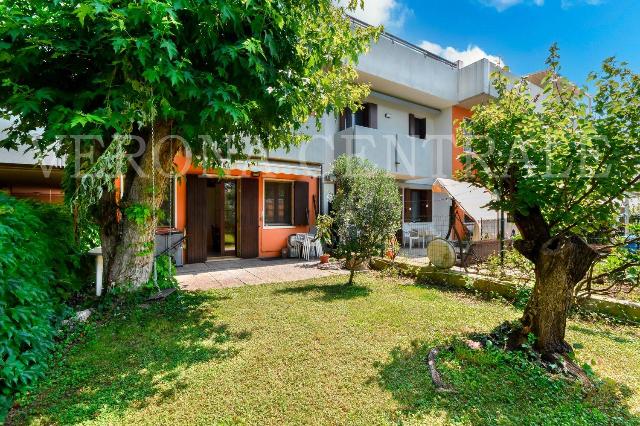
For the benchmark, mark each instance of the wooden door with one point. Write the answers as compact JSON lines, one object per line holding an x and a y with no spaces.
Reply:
{"x":196,"y":219}
{"x":249,"y":218}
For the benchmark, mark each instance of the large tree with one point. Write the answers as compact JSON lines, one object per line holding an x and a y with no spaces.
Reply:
{"x":560,"y":163}
{"x":245,"y":73}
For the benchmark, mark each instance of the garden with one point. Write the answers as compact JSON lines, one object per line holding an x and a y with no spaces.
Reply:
{"x":324,"y":352}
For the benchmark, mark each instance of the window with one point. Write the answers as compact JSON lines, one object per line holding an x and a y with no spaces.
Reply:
{"x":278,"y":203}
{"x":166,"y":218}
{"x":417,"y":205}
{"x":367,"y":116}
{"x":417,"y":127}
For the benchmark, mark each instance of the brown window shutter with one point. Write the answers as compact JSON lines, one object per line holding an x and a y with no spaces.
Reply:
{"x":373,"y":115}
{"x":412,"y":125}
{"x":301,"y":203}
{"x":422,"y":130}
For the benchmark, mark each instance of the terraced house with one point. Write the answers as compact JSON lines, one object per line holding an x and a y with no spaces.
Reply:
{"x":407,"y":126}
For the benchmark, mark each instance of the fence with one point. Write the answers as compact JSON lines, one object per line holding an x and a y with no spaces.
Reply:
{"x":468,"y":242}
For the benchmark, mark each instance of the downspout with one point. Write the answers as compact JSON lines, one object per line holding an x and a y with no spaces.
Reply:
{"x":321,"y":190}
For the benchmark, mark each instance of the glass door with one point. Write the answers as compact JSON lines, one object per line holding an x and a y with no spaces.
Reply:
{"x":230,"y":222}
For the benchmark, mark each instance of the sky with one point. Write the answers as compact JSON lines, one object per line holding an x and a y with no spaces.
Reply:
{"x":516,"y":33}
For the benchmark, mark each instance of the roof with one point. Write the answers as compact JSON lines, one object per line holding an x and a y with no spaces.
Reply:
{"x":472,"y":199}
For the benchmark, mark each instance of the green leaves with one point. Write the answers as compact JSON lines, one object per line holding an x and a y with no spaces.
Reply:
{"x":170,"y":47}
{"x":82,"y":11}
{"x":367,"y":209}
{"x":39,"y":267}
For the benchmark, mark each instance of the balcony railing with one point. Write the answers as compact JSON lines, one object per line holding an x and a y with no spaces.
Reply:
{"x":405,"y":156}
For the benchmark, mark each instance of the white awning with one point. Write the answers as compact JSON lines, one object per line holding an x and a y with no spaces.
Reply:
{"x":472,"y":199}
{"x":278,"y":167}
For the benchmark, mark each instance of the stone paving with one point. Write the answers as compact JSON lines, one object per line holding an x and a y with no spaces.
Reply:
{"x":234,"y":272}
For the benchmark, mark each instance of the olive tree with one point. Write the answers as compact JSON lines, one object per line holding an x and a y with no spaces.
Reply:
{"x":367,"y":210}
{"x":120,"y":87}
{"x":560,"y":164}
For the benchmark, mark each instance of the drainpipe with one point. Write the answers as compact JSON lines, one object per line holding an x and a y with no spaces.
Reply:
{"x":396,"y":153}
{"x":321,"y":190}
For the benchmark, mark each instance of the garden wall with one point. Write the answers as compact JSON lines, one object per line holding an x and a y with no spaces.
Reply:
{"x":626,"y":310}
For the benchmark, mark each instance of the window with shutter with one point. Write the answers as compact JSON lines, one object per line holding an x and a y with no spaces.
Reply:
{"x":277,"y":203}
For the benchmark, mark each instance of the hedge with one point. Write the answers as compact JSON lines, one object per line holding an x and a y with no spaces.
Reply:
{"x":39,"y":270}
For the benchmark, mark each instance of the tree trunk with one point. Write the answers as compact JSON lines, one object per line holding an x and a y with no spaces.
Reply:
{"x":559,"y":265}
{"x":128,"y":247}
{"x":351,"y":274}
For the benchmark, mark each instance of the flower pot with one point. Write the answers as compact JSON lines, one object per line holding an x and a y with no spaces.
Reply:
{"x":390,"y":254}
{"x":324,"y":258}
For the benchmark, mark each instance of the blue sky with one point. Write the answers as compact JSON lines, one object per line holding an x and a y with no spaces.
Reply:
{"x":519,"y":32}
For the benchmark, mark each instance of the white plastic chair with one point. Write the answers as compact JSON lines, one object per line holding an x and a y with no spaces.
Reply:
{"x":305,"y":243}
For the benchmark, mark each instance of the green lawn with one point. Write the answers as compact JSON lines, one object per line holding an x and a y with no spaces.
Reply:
{"x":319,"y":353}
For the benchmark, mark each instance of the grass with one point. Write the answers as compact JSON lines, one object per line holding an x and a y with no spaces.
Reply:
{"x":323,"y":353}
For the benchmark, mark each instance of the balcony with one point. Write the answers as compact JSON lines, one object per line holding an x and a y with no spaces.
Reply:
{"x":475,"y":85}
{"x":406,"y":157}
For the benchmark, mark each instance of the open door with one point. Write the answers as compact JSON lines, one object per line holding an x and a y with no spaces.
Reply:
{"x":196,"y":219}
{"x":249,"y":218}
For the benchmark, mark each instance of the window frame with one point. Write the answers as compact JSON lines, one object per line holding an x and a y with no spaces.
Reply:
{"x":291,"y":203}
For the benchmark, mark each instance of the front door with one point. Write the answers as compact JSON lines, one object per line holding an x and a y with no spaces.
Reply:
{"x":229,"y":217}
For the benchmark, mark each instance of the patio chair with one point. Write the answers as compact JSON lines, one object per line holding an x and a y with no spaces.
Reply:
{"x":411,"y":235}
{"x":316,"y":246}
{"x":293,"y":246}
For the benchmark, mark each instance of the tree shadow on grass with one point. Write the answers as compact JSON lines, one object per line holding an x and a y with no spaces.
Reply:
{"x":495,"y":387}
{"x":328,"y":292}
{"x":133,"y":360}
{"x":600,"y":333}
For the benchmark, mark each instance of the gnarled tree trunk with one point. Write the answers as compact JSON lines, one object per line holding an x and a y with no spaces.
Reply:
{"x":561,"y":263}
{"x":127,"y":246}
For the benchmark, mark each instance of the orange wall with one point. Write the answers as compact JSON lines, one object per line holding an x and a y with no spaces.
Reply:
{"x":271,"y":240}
{"x":458,"y":115}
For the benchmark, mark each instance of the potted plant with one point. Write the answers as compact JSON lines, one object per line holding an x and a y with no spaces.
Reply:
{"x":393,"y":248}
{"x":323,"y":234}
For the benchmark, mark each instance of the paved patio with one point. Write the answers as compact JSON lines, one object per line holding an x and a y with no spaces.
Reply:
{"x":234,"y":272}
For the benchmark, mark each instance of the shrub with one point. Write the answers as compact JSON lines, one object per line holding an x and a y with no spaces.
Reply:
{"x":39,"y":269}
{"x":367,"y":210}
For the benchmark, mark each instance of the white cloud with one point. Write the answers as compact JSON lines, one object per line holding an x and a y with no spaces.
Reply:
{"x":390,"y":13}
{"x":566,"y":4}
{"x":501,"y":5}
{"x":468,"y":56}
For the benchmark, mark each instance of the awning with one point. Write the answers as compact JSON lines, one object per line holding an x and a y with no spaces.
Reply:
{"x":471,"y":199}
{"x":278,"y":167}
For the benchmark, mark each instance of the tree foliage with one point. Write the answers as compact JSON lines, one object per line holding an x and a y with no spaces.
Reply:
{"x":235,"y":70}
{"x":367,"y":210}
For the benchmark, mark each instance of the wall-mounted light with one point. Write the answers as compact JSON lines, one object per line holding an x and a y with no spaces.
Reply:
{"x":387,"y":115}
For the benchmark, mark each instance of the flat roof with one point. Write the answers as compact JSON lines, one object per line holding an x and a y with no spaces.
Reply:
{"x":407,"y":44}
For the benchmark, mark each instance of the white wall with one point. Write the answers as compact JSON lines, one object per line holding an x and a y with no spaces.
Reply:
{"x":434,"y":80}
